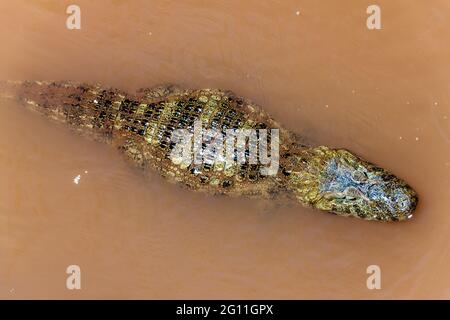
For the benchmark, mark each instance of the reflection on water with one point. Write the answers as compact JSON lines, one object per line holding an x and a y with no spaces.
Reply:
{"x":382,"y":94}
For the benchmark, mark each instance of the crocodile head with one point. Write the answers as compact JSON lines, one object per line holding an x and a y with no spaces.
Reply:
{"x":338,"y":181}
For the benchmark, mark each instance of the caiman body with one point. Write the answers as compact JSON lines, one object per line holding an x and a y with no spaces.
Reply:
{"x":142,"y":124}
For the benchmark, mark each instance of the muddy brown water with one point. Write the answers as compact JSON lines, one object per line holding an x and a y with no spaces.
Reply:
{"x":383,"y":94}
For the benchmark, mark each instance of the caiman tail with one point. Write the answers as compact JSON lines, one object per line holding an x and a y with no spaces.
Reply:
{"x":142,"y":126}
{"x":87,"y":109}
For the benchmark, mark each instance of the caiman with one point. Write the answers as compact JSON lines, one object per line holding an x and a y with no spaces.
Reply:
{"x":142,"y":124}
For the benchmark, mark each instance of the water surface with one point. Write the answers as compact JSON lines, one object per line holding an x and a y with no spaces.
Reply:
{"x":315,"y":67}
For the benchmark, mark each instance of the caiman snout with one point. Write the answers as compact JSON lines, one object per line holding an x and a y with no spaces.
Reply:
{"x":338,"y":181}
